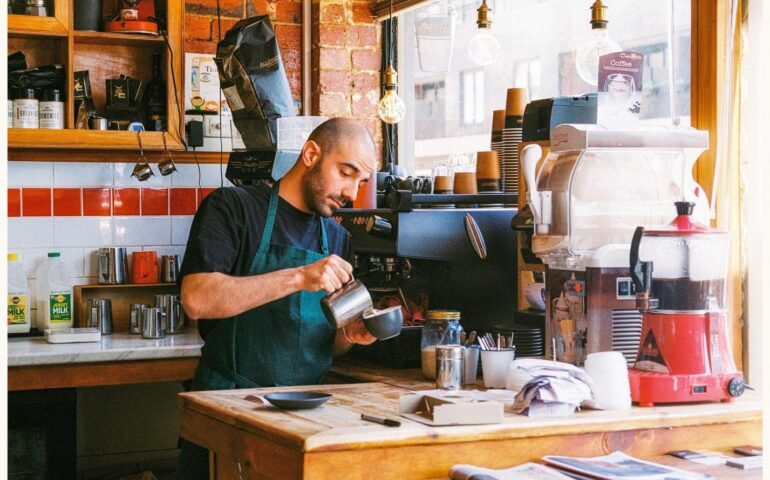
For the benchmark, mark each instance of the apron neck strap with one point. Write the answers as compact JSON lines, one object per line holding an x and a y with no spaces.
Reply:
{"x":267,"y":233}
{"x":324,"y":242}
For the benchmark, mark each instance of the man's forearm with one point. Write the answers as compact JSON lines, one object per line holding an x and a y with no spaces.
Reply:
{"x":217,"y":295}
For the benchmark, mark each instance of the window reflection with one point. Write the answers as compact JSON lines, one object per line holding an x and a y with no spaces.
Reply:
{"x":451,"y":112}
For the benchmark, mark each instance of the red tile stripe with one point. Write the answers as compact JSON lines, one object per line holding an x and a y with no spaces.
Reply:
{"x":125,"y":201}
{"x":14,"y":202}
{"x":36,"y":202}
{"x":67,"y":202}
{"x":184,"y":201}
{"x":122,"y":201}
{"x":97,"y":202}
{"x":155,"y":201}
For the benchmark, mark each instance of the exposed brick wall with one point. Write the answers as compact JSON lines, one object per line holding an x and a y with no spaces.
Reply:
{"x":201,"y":33}
{"x":345,"y":50}
{"x":346,"y":62}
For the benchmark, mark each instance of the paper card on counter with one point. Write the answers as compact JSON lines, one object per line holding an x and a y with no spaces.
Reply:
{"x":438,"y":408}
{"x":620,"y":90}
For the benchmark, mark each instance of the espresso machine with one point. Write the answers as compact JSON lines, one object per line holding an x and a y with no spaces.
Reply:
{"x":589,"y":194}
{"x":680,"y":274}
{"x":418,"y":250}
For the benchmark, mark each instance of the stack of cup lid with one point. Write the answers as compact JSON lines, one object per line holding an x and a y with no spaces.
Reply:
{"x":609,"y":372}
{"x":496,"y":143}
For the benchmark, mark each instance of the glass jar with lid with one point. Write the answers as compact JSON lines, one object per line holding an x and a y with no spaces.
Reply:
{"x":442,"y":327}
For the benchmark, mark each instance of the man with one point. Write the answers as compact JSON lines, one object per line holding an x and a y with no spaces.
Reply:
{"x":257,"y":264}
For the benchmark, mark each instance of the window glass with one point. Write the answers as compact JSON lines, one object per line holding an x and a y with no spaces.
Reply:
{"x":450,"y":98}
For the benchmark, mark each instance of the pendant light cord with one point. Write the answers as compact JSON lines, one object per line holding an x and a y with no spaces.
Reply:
{"x":390,"y":33}
{"x":389,"y":129}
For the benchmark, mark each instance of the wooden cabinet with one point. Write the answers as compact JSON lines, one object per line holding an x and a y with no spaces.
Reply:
{"x":52,"y":39}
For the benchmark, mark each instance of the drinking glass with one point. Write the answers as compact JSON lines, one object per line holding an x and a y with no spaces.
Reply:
{"x":443,"y":179}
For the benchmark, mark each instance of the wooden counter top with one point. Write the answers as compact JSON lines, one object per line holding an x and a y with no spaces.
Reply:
{"x":351,"y":370}
{"x":317,"y":443}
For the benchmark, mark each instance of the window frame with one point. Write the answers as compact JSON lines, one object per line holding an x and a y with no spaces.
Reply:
{"x":707,"y":76}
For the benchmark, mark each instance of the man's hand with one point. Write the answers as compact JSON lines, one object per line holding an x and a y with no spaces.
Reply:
{"x":327,"y":274}
{"x":356,"y":332}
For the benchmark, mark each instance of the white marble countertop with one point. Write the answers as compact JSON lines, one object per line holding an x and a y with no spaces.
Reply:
{"x":112,"y":348}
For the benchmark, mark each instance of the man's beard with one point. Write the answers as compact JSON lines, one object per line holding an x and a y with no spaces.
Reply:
{"x":314,"y":192}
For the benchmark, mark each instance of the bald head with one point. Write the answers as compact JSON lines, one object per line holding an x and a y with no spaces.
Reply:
{"x":338,"y":132}
{"x":336,"y":159}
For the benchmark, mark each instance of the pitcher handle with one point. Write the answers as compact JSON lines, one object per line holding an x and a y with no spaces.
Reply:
{"x":94,"y":317}
{"x":163,"y":321}
{"x":104,"y":259}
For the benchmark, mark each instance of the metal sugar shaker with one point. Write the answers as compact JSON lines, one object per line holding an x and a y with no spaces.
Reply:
{"x":450,"y":366}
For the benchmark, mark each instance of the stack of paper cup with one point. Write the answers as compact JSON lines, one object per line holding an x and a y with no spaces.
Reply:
{"x":609,"y":372}
{"x":515,"y":102}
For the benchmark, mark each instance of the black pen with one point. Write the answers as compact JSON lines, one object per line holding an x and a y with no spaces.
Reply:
{"x":383,"y":421}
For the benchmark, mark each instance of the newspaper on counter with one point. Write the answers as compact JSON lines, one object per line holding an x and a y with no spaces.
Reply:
{"x":527,"y":471}
{"x":555,"y":389}
{"x":619,"y":466}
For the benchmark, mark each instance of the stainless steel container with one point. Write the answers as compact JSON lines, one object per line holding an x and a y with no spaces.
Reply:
{"x":169,"y":268}
{"x":112,"y":265}
{"x":142,"y":171}
{"x":97,"y":123}
{"x":174,"y":315}
{"x":471,"y":364}
{"x":100,"y":314}
{"x":136,"y":310}
{"x":36,"y":8}
{"x":347,"y":304}
{"x":167,"y":166}
{"x":153,"y":319}
{"x":450,"y":366}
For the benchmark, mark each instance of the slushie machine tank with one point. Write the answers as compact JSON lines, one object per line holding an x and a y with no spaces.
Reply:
{"x":588,"y":195}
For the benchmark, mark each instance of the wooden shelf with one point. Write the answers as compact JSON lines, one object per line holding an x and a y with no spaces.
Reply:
{"x":122,"y":296}
{"x":68,"y":139}
{"x":124,"y":286}
{"x":30,"y":25}
{"x":51,"y":40}
{"x":107,"y":38}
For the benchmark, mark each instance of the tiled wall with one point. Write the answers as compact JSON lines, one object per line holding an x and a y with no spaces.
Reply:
{"x":75,"y":208}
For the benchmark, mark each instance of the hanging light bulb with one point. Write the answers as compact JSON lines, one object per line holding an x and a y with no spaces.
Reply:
{"x":588,"y":52}
{"x":391,"y":108}
{"x":484,"y":47}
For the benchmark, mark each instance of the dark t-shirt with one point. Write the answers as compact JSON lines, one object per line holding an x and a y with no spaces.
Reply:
{"x":228,"y":226}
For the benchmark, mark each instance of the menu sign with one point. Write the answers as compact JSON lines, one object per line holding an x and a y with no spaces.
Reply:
{"x":620,"y":89}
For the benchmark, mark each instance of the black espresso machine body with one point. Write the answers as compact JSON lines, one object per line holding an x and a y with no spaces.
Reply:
{"x":430,"y":251}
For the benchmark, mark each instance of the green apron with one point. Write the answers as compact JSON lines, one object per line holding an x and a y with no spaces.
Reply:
{"x":285,"y":342}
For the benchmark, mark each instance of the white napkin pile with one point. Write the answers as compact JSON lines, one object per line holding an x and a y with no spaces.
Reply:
{"x":555,"y":389}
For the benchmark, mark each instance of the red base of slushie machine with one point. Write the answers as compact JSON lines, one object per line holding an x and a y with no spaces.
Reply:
{"x":649,"y":388}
